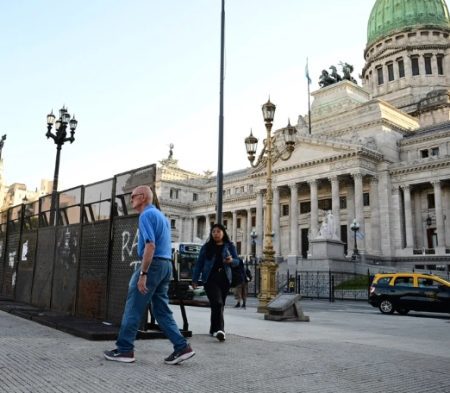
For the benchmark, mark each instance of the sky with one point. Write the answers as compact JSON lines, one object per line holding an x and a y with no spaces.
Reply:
{"x":142,"y":74}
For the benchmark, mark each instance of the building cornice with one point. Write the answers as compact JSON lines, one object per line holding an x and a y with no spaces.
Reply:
{"x":425,"y":164}
{"x":427,"y":134}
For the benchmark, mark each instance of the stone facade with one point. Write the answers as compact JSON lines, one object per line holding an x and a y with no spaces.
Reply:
{"x":379,"y":153}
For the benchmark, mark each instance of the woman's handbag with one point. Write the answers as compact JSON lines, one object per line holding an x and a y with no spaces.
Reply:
{"x":237,"y":274}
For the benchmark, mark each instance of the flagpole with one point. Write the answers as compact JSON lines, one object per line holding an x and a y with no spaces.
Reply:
{"x":308,"y":80}
{"x":309,"y":110}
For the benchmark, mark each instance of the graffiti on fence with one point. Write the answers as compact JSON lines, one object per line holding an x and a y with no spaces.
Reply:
{"x":129,"y":245}
{"x":11,"y":260}
{"x":24,"y":251}
{"x":67,"y":248}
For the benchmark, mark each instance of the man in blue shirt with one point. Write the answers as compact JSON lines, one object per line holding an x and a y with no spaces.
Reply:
{"x":150,"y":283}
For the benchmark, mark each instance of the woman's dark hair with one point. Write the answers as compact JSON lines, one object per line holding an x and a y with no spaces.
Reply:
{"x":211,"y":244}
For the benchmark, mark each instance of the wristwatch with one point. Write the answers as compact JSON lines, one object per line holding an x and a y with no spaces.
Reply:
{"x":143,"y":273}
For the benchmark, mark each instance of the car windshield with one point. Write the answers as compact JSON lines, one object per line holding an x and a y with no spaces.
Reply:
{"x":384,"y":280}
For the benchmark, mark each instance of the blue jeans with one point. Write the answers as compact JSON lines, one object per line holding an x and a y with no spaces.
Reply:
{"x":158,"y":278}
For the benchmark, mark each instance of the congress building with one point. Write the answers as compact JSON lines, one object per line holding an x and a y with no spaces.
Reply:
{"x":376,"y":154}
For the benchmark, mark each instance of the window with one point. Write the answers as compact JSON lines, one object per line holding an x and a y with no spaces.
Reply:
{"x":415,"y":65}
{"x":225,"y":222}
{"x":250,"y":188}
{"x":401,"y":68}
{"x":427,"y":59}
{"x":174,"y":193}
{"x":390,"y":69}
{"x":194,"y":197}
{"x":238,"y":223}
{"x":424,"y":153}
{"x":305,"y":207}
{"x":430,"y":200}
{"x":435,"y":151}
{"x":211,"y":195}
{"x":324,"y":204}
{"x":440,"y":66}
{"x":427,"y":283}
{"x":173,"y":224}
{"x":384,"y":280}
{"x":366,"y":199}
{"x":253,"y":221}
{"x":284,"y":210}
{"x":380,"y":75}
{"x":343,"y":202}
{"x":404,"y":281}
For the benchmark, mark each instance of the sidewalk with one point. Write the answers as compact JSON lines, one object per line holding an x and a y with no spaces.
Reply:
{"x":345,"y":348}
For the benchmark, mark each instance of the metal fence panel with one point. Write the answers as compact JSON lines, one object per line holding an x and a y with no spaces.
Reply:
{"x":2,"y":258}
{"x":65,"y":275}
{"x":25,"y":266}
{"x":42,"y":281}
{"x":92,"y":285}
{"x":9,"y":271}
{"x":124,"y":261}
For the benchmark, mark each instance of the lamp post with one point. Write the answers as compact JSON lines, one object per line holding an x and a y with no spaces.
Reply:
{"x":355,"y":227}
{"x":59,"y":137}
{"x":269,"y":155}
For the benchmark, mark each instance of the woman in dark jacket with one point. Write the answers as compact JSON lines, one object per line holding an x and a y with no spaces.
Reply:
{"x":213,"y":266}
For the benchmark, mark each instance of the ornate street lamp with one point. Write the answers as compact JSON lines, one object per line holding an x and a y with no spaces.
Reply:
{"x":269,"y":155}
{"x":355,"y":227}
{"x":59,"y":137}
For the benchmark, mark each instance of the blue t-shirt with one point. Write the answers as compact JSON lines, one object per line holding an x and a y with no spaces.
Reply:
{"x":154,"y":228}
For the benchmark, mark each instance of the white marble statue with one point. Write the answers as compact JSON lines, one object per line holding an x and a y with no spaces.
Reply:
{"x":328,"y":228}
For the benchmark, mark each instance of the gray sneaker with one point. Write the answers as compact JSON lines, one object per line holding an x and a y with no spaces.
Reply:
{"x":116,"y":356}
{"x":180,"y":356}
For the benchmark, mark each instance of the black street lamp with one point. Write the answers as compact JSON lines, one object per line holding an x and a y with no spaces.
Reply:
{"x":355,"y":227}
{"x":59,"y":137}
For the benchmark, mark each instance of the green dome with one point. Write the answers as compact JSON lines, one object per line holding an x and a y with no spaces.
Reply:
{"x":389,"y":16}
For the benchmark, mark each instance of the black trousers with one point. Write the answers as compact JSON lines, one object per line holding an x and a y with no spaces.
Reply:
{"x":217,"y":288}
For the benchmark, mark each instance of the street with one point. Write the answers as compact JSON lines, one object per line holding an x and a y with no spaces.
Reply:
{"x":346,"y":347}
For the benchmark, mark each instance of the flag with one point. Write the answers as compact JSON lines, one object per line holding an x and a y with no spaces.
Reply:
{"x":307,"y":72}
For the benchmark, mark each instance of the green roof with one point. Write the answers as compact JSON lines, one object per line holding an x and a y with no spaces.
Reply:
{"x":389,"y":16}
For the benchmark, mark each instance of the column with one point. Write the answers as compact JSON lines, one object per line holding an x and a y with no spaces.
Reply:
{"x":259,"y":223}
{"x":294,"y":220}
{"x":314,"y":208}
{"x":350,"y":216}
{"x":375,"y":216}
{"x":359,"y":207}
{"x":397,"y":232}
{"x":335,"y":205}
{"x":195,"y":229}
{"x":408,"y":217}
{"x":206,"y":229}
{"x":249,"y":231}
{"x":439,"y":214}
{"x":408,"y":68}
{"x":276,"y":221}
{"x":234,"y":229}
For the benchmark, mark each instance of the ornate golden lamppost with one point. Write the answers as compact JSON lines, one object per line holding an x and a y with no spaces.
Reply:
{"x":269,"y":155}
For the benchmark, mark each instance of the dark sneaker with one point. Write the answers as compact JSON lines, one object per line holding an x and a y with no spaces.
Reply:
{"x":180,"y":356}
{"x":220,"y":335}
{"x":115,"y":355}
{"x":237,"y":305}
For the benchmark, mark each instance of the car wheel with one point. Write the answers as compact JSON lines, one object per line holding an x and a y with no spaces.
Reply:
{"x":402,"y":311}
{"x":386,"y":306}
